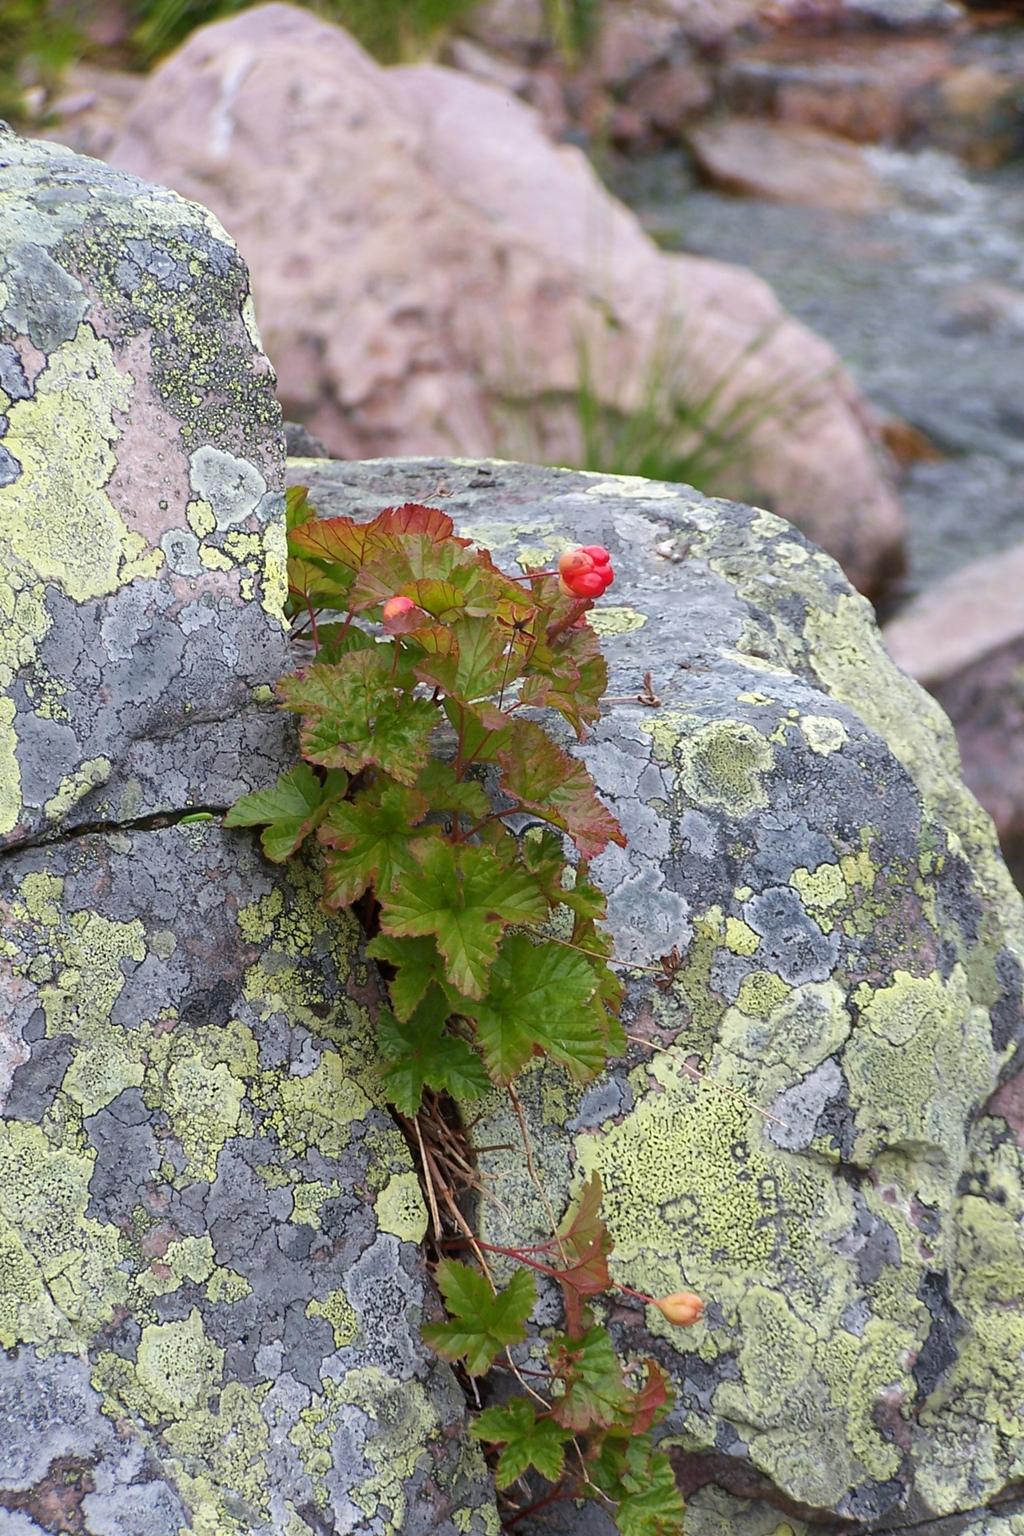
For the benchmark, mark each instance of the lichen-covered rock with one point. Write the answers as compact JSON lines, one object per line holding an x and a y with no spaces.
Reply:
{"x":820,"y":1126}
{"x":210,"y":1277}
{"x":141,"y":534}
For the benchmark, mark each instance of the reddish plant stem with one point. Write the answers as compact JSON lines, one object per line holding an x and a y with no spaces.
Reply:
{"x":579,"y":608}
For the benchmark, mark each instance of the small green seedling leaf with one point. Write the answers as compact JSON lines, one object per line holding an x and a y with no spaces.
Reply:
{"x":482,"y":1324}
{"x":528,"y":1441}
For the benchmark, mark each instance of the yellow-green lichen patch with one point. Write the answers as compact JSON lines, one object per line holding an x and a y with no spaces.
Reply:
{"x":760,"y":993}
{"x":94,"y":950}
{"x":823,"y":733}
{"x":227,"y":1285}
{"x":10,"y":772}
{"x":191,"y":1258}
{"x":100,"y":1070}
{"x":221,"y":1464}
{"x":307,"y":1200}
{"x":400,"y":1208}
{"x":75,"y":786}
{"x":44,"y":1194}
{"x":337,"y":1310}
{"x":919,"y":1062}
{"x":722,"y":764}
{"x":616,"y":621}
{"x":400,"y":1421}
{"x":178,"y":1368}
{"x":317,"y":1110}
{"x":56,"y":517}
{"x":821,"y":890}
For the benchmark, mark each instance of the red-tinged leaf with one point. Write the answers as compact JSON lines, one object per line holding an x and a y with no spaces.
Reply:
{"x":639,"y":1479}
{"x":322,"y":586}
{"x":481,"y":741}
{"x":482,"y":1324}
{"x":433,"y":639}
{"x":442,"y":599}
{"x":528,"y":1441}
{"x":595,"y":1393}
{"x":414,"y":518}
{"x":465,"y":896}
{"x":585,"y":1245}
{"x":653,"y":1506}
{"x":539,"y":1001}
{"x":558,"y":788}
{"x":368,"y":841}
{"x":650,"y":1404}
{"x":335,"y":540}
{"x":479,"y":667}
{"x":352,"y":716}
{"x":289,"y":811}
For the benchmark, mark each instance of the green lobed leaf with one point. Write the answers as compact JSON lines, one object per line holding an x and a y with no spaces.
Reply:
{"x":481,"y":1324}
{"x":465,"y":895}
{"x":596,"y":1395}
{"x":353,"y":717}
{"x":289,"y":811}
{"x":447,"y":792}
{"x":479,"y":666}
{"x":650,"y":1503}
{"x":368,"y":840}
{"x":296,"y":506}
{"x":528,"y":1441}
{"x":418,"y":1053}
{"x":418,"y":965}
{"x":548,"y":781}
{"x":539,"y":999}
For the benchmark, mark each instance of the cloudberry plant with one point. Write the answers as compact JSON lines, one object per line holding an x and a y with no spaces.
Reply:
{"x":421,"y":755}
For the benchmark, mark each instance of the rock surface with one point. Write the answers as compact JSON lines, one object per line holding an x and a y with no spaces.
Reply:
{"x":785,"y":164}
{"x":964,"y":640}
{"x":440,"y":291}
{"x":210,"y":1276}
{"x":844,"y":1184}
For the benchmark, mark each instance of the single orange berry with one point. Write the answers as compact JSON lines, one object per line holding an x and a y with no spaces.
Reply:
{"x":682,"y":1307}
{"x":395,"y":607}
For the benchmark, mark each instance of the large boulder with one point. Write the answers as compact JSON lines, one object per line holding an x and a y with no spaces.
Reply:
{"x":210,"y":1276}
{"x":432,"y":271}
{"x":819,"y":1124}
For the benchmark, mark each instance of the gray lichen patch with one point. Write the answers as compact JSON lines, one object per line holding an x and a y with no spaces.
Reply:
{"x":815,"y":1148}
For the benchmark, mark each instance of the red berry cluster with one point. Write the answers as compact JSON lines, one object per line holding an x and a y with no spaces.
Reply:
{"x":586,"y":571}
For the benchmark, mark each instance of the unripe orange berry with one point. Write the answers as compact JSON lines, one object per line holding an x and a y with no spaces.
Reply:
{"x":682,"y":1307}
{"x":396,"y":606}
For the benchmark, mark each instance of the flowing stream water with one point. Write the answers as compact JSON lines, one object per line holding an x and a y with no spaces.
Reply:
{"x":924,"y":301}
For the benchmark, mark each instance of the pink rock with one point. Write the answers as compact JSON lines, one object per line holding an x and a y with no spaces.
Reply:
{"x":964,"y":640}
{"x":425,"y":258}
{"x":786,"y":164}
